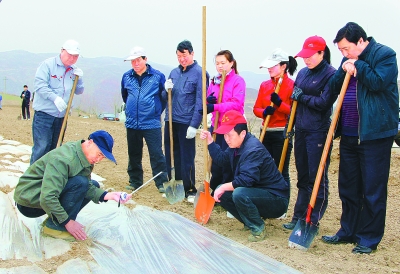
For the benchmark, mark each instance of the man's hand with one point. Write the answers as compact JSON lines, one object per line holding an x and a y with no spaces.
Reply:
{"x":78,"y":72}
{"x":168,"y":85}
{"x":268,"y":111}
{"x":221,"y":190}
{"x":349,"y":67}
{"x":120,"y":197}
{"x":204,"y":134}
{"x":76,"y":229}
{"x":60,"y":104}
{"x":191,"y":132}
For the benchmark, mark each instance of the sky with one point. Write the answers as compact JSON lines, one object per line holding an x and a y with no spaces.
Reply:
{"x":250,"y":29}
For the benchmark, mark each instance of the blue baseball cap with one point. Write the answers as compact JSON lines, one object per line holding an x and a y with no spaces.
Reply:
{"x":105,"y":142}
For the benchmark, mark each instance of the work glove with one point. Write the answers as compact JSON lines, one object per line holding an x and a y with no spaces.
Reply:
{"x":268,"y":111}
{"x":168,"y":84}
{"x":297,"y":94}
{"x":191,"y":132}
{"x":211,"y":99}
{"x":60,"y":104}
{"x":276,"y":99}
{"x":78,"y":72}
{"x":210,"y":108}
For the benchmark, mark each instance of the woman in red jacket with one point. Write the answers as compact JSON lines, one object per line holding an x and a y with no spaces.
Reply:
{"x":278,"y":63}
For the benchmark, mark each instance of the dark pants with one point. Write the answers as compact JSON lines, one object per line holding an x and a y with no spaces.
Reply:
{"x":45,"y":131}
{"x":363,"y":179}
{"x":273,"y":142}
{"x":135,"y":152}
{"x":308,"y":148}
{"x":72,"y":199}
{"x":26,"y":114}
{"x":251,"y":205}
{"x":220,"y":175}
{"x":184,"y":154}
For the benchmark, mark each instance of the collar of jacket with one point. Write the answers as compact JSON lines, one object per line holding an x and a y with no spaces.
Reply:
{"x":188,"y":67}
{"x":320,"y":66}
{"x":364,"y":53}
{"x":240,"y":149}
{"x":147,"y":71}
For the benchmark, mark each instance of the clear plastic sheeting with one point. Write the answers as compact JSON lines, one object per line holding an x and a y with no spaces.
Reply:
{"x":150,"y":241}
{"x":78,"y":266}
{"x":32,"y":269}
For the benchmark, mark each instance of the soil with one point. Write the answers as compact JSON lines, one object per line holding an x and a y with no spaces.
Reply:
{"x":320,"y":257}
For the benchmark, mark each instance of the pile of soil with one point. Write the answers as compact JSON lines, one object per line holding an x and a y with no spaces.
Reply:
{"x":320,"y":258}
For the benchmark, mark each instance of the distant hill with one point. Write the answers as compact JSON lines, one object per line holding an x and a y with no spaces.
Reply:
{"x":102,"y":78}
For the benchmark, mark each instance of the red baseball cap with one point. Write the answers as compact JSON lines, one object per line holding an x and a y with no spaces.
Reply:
{"x":230,"y":119}
{"x":311,"y":46}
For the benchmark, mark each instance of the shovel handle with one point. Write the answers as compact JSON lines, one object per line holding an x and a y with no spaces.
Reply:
{"x":204,"y":91}
{"x":289,"y":129}
{"x":221,"y":90}
{"x":147,"y":182}
{"x":328,"y":142}
{"x":64,"y":124}
{"x":266,"y":121}
{"x":171,"y":136}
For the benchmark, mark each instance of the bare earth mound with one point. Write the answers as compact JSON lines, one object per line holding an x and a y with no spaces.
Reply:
{"x":320,"y":258}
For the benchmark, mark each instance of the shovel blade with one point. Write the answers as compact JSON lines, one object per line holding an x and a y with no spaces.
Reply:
{"x":204,"y":205}
{"x":196,"y":198}
{"x":174,"y":191}
{"x":303,"y":235}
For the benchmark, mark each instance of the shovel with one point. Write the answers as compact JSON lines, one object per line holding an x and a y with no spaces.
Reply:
{"x":287,"y":137}
{"x":174,"y":190}
{"x":205,"y":203}
{"x":305,"y":231}
{"x":64,"y":124}
{"x":266,"y":121}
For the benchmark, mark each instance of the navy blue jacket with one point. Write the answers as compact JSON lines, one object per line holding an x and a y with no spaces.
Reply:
{"x":255,"y":167}
{"x":377,"y":91}
{"x":186,"y":95}
{"x":314,"y":108}
{"x":144,"y":103}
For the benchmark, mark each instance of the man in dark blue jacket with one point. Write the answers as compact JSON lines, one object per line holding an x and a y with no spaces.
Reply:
{"x":186,"y":84}
{"x":26,"y":99}
{"x":141,"y":89}
{"x":369,"y":120}
{"x":258,"y":190}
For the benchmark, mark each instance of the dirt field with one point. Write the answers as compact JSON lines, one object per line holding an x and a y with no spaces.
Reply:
{"x":320,"y":258}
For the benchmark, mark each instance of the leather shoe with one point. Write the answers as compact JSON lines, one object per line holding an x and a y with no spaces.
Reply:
{"x":360,"y":249}
{"x":334,"y":240}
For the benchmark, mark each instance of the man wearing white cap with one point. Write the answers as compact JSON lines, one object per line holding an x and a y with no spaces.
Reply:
{"x":141,"y":89}
{"x":53,"y":84}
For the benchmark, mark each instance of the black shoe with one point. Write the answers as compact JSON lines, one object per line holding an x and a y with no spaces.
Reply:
{"x":334,"y":240}
{"x":289,"y":226}
{"x":190,"y":193}
{"x":360,"y":249}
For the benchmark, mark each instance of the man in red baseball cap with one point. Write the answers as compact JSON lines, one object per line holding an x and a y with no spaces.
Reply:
{"x":258,"y":190}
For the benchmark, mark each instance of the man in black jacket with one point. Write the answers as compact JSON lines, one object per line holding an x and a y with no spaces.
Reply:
{"x":258,"y":190}
{"x":26,"y":97}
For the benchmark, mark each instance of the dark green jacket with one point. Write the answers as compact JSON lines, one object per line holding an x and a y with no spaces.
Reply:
{"x":42,"y":183}
{"x":377,"y":91}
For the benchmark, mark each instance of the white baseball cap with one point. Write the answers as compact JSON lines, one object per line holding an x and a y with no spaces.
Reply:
{"x":72,"y":47}
{"x":278,"y":55}
{"x":135,"y":53}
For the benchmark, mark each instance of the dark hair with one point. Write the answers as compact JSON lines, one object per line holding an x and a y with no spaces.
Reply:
{"x":240,"y":127}
{"x":25,"y":86}
{"x":352,"y":32}
{"x":229,"y":56}
{"x":327,"y":54}
{"x":185,"y":45}
{"x":291,"y":65}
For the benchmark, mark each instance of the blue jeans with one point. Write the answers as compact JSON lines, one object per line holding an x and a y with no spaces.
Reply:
{"x":251,"y":205}
{"x":135,"y":152}
{"x":363,"y":180}
{"x":184,"y":154}
{"x":308,"y":148}
{"x":45,"y":131}
{"x":72,"y":199}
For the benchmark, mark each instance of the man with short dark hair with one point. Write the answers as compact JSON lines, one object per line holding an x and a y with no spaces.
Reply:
{"x":258,"y":190}
{"x":141,"y":89}
{"x":367,"y":125}
{"x":26,"y":97}
{"x":186,"y":84}
{"x":59,"y":185}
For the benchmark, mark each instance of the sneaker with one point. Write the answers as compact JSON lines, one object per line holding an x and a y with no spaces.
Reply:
{"x":289,"y":226}
{"x":229,"y":215}
{"x":190,"y":196}
{"x":257,"y":238}
{"x":161,"y":189}
{"x":58,"y":234}
{"x":129,"y":187}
